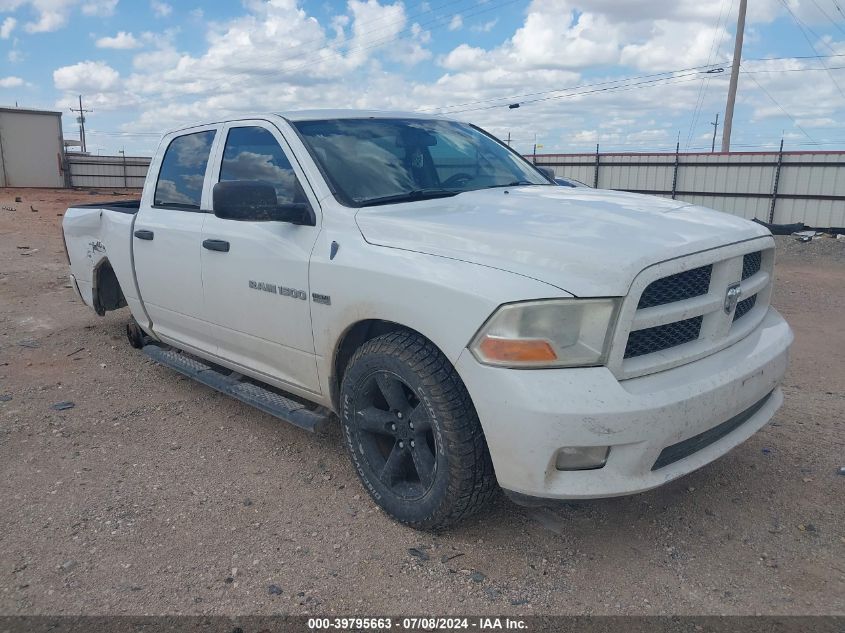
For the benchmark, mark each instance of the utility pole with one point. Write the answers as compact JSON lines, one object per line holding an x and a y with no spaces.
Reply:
{"x":729,"y":109}
{"x":715,"y":125}
{"x":81,"y":119}
{"x":509,"y":139}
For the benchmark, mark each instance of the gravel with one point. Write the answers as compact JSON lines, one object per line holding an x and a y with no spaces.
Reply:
{"x":135,"y":500}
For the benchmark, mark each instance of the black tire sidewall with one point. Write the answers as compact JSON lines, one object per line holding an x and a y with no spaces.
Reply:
{"x":418,"y":511}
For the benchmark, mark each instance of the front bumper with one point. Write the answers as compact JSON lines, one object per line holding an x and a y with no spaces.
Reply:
{"x":528,"y":415}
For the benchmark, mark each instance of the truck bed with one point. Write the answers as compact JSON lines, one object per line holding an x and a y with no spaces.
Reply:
{"x":121,"y":206}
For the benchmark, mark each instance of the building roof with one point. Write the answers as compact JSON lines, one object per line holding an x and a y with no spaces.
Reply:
{"x":29,"y":110}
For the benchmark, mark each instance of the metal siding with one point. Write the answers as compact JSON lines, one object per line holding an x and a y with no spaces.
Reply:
{"x":107,"y":171}
{"x":802,"y":174}
{"x":32,"y":147}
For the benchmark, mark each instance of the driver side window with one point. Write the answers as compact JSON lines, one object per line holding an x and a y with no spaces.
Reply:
{"x":252,"y":153}
{"x":450,"y":159}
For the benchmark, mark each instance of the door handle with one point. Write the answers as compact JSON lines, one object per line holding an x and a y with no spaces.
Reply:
{"x":143,"y":234}
{"x":216,"y":245}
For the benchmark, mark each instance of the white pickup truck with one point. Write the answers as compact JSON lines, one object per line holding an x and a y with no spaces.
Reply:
{"x":473,"y":325}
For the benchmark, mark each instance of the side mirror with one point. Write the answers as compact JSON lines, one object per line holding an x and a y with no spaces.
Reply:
{"x":255,"y":201}
{"x":548,"y":172}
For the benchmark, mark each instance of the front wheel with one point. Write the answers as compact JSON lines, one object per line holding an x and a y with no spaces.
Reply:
{"x":413,"y":434}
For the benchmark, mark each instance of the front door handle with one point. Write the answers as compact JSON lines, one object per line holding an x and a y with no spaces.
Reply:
{"x":216,"y":245}
{"x":143,"y":234}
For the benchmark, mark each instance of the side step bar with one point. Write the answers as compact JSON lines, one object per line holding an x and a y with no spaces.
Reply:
{"x":234,"y":385}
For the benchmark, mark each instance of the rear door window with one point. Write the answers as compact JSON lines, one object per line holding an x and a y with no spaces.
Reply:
{"x":182,"y":172}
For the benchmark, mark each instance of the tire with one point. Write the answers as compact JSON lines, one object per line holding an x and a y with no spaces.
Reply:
{"x":413,"y":434}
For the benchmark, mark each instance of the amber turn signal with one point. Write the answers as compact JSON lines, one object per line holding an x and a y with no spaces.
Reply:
{"x":517,"y":350}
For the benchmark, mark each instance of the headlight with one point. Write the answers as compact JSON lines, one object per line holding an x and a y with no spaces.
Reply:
{"x":549,"y":333}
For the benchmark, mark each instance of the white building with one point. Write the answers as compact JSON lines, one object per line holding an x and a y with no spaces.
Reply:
{"x":31,"y":148}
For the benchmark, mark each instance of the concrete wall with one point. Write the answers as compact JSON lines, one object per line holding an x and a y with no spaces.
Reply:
{"x":31,"y":148}
{"x":810,"y":185}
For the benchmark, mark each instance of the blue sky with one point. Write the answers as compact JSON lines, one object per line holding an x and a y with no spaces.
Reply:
{"x":145,"y":66}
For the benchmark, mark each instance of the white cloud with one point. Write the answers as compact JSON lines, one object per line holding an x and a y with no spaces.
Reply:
{"x":160,"y":9}
{"x":47,"y":21}
{"x":456,"y":23}
{"x":122,"y":41}
{"x":99,"y":8}
{"x":486,"y":27}
{"x":6,"y":27}
{"x":276,"y":56}
{"x":11,"y":82}
{"x":86,"y":76}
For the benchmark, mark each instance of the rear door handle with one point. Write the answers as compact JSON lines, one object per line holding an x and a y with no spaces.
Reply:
{"x":216,"y":245}
{"x":143,"y":234}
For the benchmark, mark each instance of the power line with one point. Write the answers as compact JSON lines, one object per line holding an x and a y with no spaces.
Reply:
{"x":801,"y":27}
{"x":706,"y":84}
{"x":513,"y":99}
{"x":777,"y":103}
{"x":830,"y":19}
{"x":693,"y":76}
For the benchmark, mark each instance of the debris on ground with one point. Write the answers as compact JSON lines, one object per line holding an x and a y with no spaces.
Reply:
{"x":805,"y":236}
{"x":18,"y":199}
{"x":64,"y":405}
{"x":841,"y":468}
{"x":477,"y":576}
{"x":6,"y":397}
{"x":68,"y":565}
{"x":418,"y":553}
{"x":274,"y":590}
{"x":75,"y":352}
{"x":5,"y":208}
{"x":30,"y":343}
{"x":33,"y":209}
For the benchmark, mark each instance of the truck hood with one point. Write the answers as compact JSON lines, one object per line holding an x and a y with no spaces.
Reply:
{"x":588,"y":242}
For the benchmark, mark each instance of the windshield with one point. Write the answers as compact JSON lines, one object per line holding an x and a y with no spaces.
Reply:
{"x":379,"y":161}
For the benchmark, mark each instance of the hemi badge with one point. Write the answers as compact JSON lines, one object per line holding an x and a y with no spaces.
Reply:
{"x":324,"y":299}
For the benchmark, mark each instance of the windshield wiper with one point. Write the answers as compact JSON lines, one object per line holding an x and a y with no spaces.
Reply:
{"x":408,"y":196}
{"x":515,"y":183}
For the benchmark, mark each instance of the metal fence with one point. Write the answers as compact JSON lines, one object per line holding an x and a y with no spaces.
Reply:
{"x":776,"y":187}
{"x":107,"y":171}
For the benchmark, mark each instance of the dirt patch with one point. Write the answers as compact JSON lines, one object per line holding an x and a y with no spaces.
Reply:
{"x":153,"y":494}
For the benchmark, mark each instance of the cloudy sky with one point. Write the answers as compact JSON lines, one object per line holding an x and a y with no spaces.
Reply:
{"x":630,"y":75}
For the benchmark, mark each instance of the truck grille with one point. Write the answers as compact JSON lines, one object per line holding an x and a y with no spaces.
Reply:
{"x":685,"y":285}
{"x":679,"y":316}
{"x":744,"y":307}
{"x":751,"y":264}
{"x":655,"y":339}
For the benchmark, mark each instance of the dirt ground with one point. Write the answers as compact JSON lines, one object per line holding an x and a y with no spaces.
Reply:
{"x":155,"y":495}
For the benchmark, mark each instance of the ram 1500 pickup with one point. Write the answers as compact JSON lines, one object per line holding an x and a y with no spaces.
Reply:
{"x":472,"y":325}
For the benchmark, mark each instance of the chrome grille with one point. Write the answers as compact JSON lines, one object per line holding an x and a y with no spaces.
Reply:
{"x":655,"y":339}
{"x":685,"y":285}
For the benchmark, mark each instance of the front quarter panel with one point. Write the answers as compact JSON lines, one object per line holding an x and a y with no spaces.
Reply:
{"x":444,"y":299}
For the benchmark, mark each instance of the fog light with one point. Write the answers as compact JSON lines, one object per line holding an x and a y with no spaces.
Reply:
{"x":581,"y":457}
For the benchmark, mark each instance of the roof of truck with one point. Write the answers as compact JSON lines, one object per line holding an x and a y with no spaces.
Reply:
{"x":311,"y":115}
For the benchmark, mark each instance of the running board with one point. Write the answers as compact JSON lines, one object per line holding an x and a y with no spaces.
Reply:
{"x":236,"y":386}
